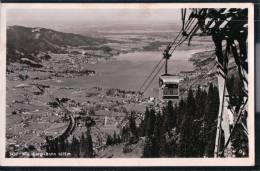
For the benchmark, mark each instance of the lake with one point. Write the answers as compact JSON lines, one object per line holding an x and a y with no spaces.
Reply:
{"x":129,"y":70}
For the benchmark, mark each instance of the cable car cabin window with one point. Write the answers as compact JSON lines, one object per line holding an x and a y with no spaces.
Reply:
{"x":171,"y":89}
{"x":170,"y":97}
{"x":175,"y":86}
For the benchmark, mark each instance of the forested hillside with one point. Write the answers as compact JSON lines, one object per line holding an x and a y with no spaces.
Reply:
{"x":185,"y":130}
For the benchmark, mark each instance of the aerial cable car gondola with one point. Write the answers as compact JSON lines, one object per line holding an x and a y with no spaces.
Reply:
{"x":168,"y":83}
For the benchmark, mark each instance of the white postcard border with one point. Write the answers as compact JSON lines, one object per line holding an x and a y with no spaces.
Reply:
{"x":250,"y":161}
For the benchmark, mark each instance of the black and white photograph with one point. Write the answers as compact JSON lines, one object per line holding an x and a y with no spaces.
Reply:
{"x":127,"y":84}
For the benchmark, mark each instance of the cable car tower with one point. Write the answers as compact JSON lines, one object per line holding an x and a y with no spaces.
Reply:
{"x":228,"y":28}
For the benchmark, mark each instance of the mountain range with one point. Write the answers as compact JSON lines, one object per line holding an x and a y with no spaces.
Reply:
{"x":30,"y":41}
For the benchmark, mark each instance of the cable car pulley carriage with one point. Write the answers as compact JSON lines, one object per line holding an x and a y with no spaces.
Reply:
{"x":168,"y":83}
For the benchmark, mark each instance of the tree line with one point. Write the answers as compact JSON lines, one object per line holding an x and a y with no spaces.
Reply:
{"x":184,"y":129}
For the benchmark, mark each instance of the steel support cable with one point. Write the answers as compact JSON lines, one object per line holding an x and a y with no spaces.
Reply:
{"x":144,"y":91}
{"x":144,"y":83}
{"x":185,"y":38}
{"x":173,"y":42}
{"x":183,"y":17}
{"x":187,"y":26}
{"x":147,"y":78}
{"x":180,"y":42}
{"x":240,"y":66}
{"x":147,"y":86}
{"x":196,"y":28}
{"x":154,"y":77}
{"x":236,"y":123}
{"x":189,"y":23}
{"x":244,"y":128}
{"x":188,"y":35}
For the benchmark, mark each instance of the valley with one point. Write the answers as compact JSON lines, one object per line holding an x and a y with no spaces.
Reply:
{"x":95,"y":77}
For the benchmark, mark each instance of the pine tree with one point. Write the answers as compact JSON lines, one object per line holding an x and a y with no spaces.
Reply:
{"x":145,"y":122}
{"x":211,"y":114}
{"x":132,"y":125}
{"x":212,"y":104}
{"x":165,"y":148}
{"x":124,"y":134}
{"x":82,"y":145}
{"x":109,"y":140}
{"x":215,"y":102}
{"x":89,"y":145}
{"x":72,"y":147}
{"x":67,"y":148}
{"x":169,"y":119}
{"x":115,"y":138}
{"x":202,"y":136}
{"x":56,"y":147}
{"x":152,"y":119}
{"x":119,"y":139}
{"x":164,"y":121}
{"x":191,"y":105}
{"x":200,"y":103}
{"x":48,"y":150}
{"x":157,"y":127}
{"x":156,"y":139}
{"x":75,"y":150}
{"x":140,"y":129}
{"x":147,"y":152}
{"x":181,"y":112}
{"x":62,"y":144}
{"x":188,"y":134}
{"x":171,"y":113}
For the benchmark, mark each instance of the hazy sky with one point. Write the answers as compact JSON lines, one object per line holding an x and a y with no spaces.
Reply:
{"x":60,"y":18}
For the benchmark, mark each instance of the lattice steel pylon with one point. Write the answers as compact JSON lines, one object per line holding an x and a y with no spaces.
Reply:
{"x":229,"y":29}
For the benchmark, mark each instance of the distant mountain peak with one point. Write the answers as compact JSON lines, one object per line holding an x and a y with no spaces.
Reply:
{"x":36,"y":29}
{"x":28,"y":40}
